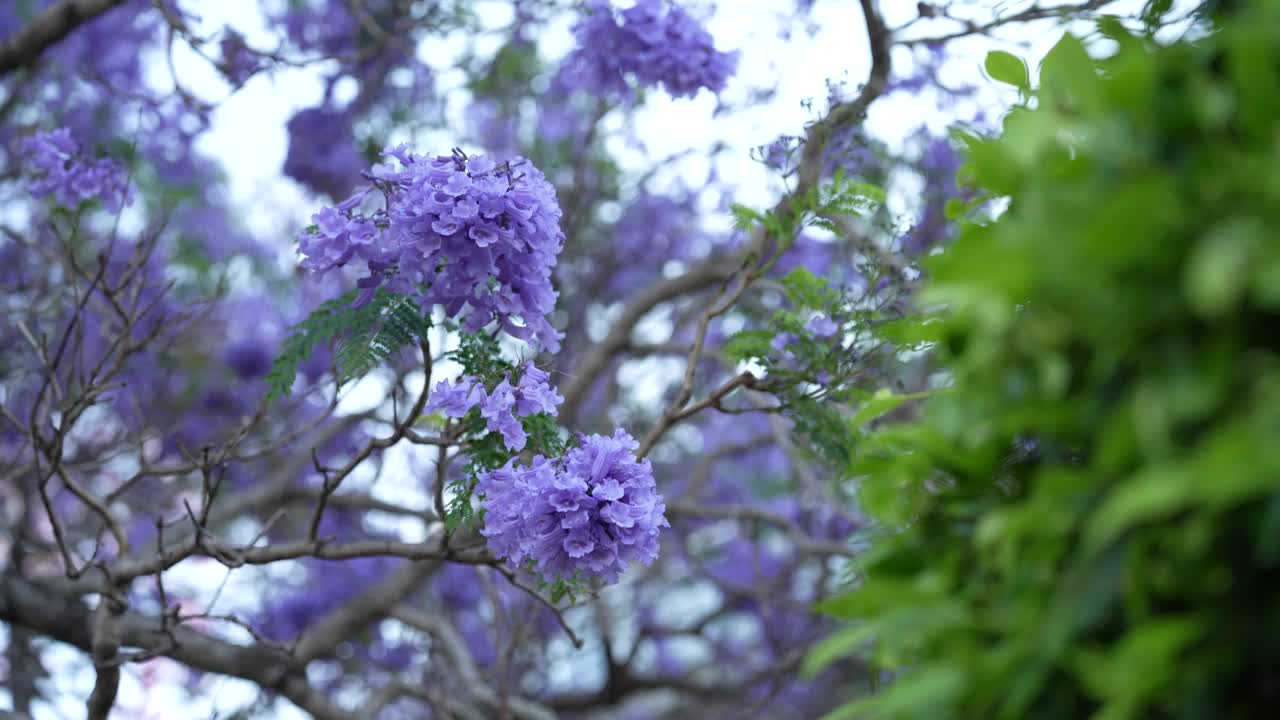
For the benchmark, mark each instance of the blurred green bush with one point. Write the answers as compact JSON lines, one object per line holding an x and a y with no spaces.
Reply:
{"x":1087,"y":523}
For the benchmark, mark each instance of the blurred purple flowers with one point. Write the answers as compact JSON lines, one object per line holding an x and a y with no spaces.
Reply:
{"x":822,"y":326}
{"x":463,"y":232}
{"x":499,"y":407}
{"x":657,"y":42}
{"x":322,"y":151}
{"x":939,"y":163}
{"x":63,"y":171}
{"x":239,"y":62}
{"x":589,"y":513}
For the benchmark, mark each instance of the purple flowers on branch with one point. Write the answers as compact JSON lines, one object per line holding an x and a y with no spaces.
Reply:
{"x":656,"y":42}
{"x":476,"y":237}
{"x":589,"y":513}
{"x":65,"y":172}
{"x":500,"y":406}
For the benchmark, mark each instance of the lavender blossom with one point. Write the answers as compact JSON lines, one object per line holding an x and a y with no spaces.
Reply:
{"x":656,"y":42}
{"x":534,"y":394}
{"x":589,"y":513}
{"x":239,"y":61}
{"x":481,"y":237}
{"x":64,"y":171}
{"x":503,"y":406}
{"x":822,"y":326}
{"x":455,"y":400}
{"x":497,"y":412}
{"x":322,"y":151}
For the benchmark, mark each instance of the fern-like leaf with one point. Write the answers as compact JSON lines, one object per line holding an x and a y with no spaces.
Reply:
{"x":400,"y":322}
{"x":366,"y":336}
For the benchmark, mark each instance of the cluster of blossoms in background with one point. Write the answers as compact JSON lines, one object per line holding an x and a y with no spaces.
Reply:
{"x":325,"y":154}
{"x":64,"y":171}
{"x":499,"y":407}
{"x":239,"y":61}
{"x":463,"y":232}
{"x":322,"y":151}
{"x":658,"y":44}
{"x":589,"y":513}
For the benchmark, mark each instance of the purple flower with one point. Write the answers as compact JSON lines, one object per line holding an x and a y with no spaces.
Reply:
{"x":496,"y":410}
{"x":63,"y":171}
{"x":781,"y":341}
{"x":480,"y":236}
{"x":484,"y":236}
{"x":322,"y":151}
{"x":239,"y":62}
{"x":534,"y":394}
{"x":455,"y":400}
{"x":822,"y":326}
{"x":502,"y":407}
{"x":939,"y":162}
{"x":249,"y":358}
{"x":656,"y":42}
{"x":592,"y":512}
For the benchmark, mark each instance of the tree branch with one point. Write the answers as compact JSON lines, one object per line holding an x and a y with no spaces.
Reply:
{"x":63,"y":617}
{"x":29,"y":42}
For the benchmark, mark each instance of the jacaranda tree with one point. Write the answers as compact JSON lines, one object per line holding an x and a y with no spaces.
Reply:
{"x":516,"y":425}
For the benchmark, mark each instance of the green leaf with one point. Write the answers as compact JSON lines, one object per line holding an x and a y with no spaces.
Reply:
{"x":843,"y":643}
{"x":366,"y":336}
{"x":1009,"y":69}
{"x":748,"y":344}
{"x":398,"y":324}
{"x":745,"y":218}
{"x":1217,"y":272}
{"x":805,"y":289}
{"x":882,"y":402}
{"x":926,"y":693}
{"x":1067,"y":70}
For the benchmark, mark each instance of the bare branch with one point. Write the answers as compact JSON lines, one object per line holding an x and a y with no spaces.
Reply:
{"x":47,"y":28}
{"x":1030,"y":14}
{"x":63,"y":617}
{"x":322,"y":637}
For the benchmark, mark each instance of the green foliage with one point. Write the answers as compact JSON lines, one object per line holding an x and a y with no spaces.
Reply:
{"x":460,"y":510}
{"x":480,"y":356}
{"x":839,"y":198}
{"x":563,"y":588}
{"x":400,"y":322}
{"x":1009,"y":69}
{"x":365,"y":336}
{"x":806,"y":290}
{"x":817,"y":378}
{"x":1087,"y":524}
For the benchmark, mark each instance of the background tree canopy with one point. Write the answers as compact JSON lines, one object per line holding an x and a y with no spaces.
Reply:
{"x":492,"y":410}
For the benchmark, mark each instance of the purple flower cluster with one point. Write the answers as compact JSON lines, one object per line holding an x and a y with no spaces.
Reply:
{"x":239,"y":61}
{"x":64,"y":171}
{"x":657,"y":42}
{"x":500,"y":406}
{"x":590,"y":512}
{"x":462,"y":232}
{"x":322,"y":151}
